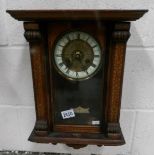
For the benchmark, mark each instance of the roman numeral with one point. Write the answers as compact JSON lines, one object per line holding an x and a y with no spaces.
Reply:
{"x":78,"y":36}
{"x":93,"y":65}
{"x":68,"y":38}
{"x":87,"y":39}
{"x":96,"y":56}
{"x":86,"y":72}
{"x":61,"y":64}
{"x":67,"y":71}
{"x":58,"y":55}
{"x":94,"y":46}
{"x":77,"y":75}
{"x":60,"y":45}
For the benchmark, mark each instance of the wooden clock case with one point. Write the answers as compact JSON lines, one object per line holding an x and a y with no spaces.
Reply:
{"x":111,"y":27}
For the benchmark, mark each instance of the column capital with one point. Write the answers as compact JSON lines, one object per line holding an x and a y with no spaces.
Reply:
{"x":121,"y":32}
{"x":32,"y":32}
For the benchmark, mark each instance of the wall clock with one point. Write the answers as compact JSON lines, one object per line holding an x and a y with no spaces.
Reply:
{"x":77,"y":59}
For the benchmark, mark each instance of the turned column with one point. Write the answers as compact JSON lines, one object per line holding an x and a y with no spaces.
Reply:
{"x":119,"y":36}
{"x":38,"y":62}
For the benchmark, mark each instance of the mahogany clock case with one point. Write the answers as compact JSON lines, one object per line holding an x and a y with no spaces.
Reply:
{"x":99,"y":97}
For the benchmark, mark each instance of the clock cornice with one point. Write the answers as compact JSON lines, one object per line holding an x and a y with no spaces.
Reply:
{"x":46,"y":15}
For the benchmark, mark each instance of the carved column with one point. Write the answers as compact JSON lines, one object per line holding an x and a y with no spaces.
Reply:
{"x":119,"y":37}
{"x":35,"y":39}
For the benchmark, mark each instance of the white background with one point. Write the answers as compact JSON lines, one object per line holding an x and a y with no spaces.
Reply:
{"x":17,"y":114}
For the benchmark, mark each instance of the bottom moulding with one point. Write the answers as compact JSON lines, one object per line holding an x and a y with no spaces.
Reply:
{"x":78,"y":140}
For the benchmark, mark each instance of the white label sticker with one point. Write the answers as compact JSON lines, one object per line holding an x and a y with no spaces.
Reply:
{"x":67,"y":114}
{"x":95,"y":122}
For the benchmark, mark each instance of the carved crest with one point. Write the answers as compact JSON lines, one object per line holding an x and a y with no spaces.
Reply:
{"x":81,"y":110}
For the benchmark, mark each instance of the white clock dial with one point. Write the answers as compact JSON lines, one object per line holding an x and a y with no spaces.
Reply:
{"x":77,"y":55}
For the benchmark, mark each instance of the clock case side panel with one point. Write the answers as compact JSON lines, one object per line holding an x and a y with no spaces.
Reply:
{"x":36,"y":36}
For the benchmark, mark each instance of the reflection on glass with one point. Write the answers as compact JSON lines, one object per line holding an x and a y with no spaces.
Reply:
{"x":84,"y":97}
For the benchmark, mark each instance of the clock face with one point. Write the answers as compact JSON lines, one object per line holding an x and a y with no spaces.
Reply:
{"x":77,"y":55}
